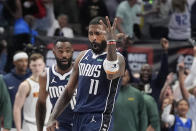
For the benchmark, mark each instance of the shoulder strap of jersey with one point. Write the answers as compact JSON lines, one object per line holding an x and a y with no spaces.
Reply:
{"x":84,"y":55}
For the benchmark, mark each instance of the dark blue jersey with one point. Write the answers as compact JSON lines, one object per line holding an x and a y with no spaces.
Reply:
{"x":95,"y":93}
{"x":56,"y":83}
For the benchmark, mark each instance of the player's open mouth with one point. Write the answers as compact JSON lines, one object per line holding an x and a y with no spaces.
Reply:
{"x":64,"y":61}
{"x":95,"y":46}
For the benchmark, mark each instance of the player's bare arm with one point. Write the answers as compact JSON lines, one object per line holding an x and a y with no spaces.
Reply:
{"x":114,"y":64}
{"x":41,"y":102}
{"x":21,"y":95}
{"x":66,"y":96}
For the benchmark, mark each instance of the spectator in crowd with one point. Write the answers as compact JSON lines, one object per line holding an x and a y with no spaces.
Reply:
{"x":5,"y":108}
{"x":3,"y":21}
{"x":167,"y":97}
{"x":193,"y":20}
{"x":45,"y":24}
{"x":124,"y":42}
{"x":3,"y":55}
{"x":165,"y":102}
{"x":167,"y":91}
{"x":17,"y":74}
{"x":35,"y":8}
{"x":180,"y":24}
{"x":153,"y":121}
{"x":90,"y":10}
{"x":190,"y":79}
{"x":190,"y":95}
{"x":164,"y":125}
{"x":22,"y":30}
{"x":152,"y":113}
{"x":127,"y":14}
{"x":111,"y":7}
{"x":154,"y":83}
{"x":156,"y":20}
{"x":27,"y":95}
{"x":179,"y":121}
{"x":64,"y":27}
{"x":68,"y":7}
{"x":130,"y":102}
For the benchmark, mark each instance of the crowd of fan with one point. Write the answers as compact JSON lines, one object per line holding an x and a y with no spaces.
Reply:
{"x":150,"y":102}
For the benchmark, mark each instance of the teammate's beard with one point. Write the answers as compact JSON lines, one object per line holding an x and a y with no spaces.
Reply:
{"x":98,"y":48}
{"x":63,"y":66}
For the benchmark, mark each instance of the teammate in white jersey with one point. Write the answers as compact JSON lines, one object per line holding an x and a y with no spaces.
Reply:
{"x":27,"y":96}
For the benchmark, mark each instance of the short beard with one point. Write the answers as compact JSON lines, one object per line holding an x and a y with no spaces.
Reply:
{"x":101,"y":47}
{"x":62,"y":66}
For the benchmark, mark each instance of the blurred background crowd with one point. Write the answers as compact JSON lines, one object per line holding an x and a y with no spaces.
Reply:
{"x":149,"y":100}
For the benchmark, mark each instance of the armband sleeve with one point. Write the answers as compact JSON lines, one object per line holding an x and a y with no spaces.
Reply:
{"x":111,"y":67}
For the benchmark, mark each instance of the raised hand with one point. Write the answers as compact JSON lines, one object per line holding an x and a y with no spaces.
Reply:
{"x":109,"y":31}
{"x":181,"y":66}
{"x":170,"y":77}
{"x":165,"y":44}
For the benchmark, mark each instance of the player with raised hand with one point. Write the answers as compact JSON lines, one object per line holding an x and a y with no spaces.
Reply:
{"x":97,"y":72}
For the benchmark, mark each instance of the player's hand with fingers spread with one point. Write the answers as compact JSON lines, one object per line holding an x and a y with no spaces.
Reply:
{"x":109,"y":31}
{"x":52,"y":125}
{"x":165,"y":44}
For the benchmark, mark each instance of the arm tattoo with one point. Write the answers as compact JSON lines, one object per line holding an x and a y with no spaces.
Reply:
{"x":111,"y":53}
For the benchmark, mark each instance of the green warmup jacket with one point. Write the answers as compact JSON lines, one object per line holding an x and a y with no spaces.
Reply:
{"x":5,"y":105}
{"x":129,"y":111}
{"x":152,"y":112}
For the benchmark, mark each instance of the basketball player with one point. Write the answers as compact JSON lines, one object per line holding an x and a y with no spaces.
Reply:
{"x":97,"y":72}
{"x":52,"y":82}
{"x":27,"y":94}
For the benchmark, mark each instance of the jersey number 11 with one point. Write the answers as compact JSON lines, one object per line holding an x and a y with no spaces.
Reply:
{"x":93,"y":86}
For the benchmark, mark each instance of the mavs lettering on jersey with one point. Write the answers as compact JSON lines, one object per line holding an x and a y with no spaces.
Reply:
{"x":56,"y":83}
{"x":95,"y":93}
{"x":55,"y":91}
{"x":89,"y":70}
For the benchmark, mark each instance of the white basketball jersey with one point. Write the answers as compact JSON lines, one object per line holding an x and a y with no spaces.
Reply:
{"x":30,"y":103}
{"x":179,"y":25}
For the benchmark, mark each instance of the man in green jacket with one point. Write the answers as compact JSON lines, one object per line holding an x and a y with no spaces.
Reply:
{"x":5,"y":107}
{"x":129,"y":110}
{"x":152,"y":113}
